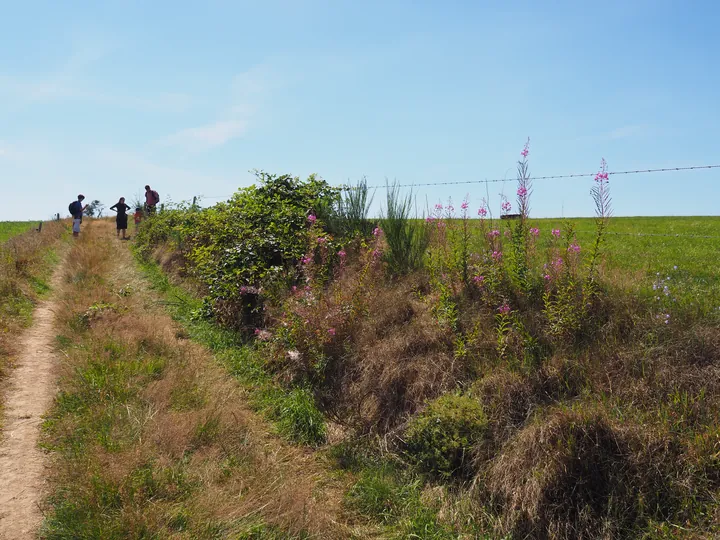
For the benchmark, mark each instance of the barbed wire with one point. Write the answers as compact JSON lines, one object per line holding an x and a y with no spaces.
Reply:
{"x":346,"y":187}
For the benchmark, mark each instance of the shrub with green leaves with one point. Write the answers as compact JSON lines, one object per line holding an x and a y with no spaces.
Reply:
{"x":253,"y":241}
{"x":440,"y":438}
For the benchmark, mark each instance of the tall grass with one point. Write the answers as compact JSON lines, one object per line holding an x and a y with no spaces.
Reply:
{"x":353,"y":209}
{"x":407,"y":238}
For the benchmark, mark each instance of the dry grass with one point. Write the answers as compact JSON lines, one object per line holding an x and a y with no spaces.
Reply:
{"x":170,"y":440}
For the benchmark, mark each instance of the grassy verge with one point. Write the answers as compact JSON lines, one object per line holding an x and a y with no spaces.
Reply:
{"x":26,"y":264}
{"x":148,"y":436}
{"x":293,"y":412}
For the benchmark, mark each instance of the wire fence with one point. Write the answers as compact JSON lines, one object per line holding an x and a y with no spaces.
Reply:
{"x":546,"y":177}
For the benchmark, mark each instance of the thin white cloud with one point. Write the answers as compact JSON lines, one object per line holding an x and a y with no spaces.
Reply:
{"x":248,"y":90}
{"x":208,"y":136}
{"x":625,"y":132}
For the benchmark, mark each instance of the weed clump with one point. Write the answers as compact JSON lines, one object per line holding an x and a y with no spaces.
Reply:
{"x":440,"y":439}
{"x":575,"y":475}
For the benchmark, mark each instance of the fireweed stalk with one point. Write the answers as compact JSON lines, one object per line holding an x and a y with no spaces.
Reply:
{"x":601,"y":196}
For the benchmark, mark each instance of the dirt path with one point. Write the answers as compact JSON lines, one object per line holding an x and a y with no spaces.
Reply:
{"x":30,"y":388}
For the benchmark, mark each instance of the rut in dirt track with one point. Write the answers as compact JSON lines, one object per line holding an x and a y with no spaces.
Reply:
{"x":28,"y":392}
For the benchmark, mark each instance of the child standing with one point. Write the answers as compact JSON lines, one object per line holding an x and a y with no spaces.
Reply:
{"x":138,"y":218}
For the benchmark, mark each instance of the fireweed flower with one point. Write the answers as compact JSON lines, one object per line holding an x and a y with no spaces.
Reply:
{"x":494,"y":233}
{"x":506,"y":206}
{"x":504,"y":309}
{"x":534,"y":231}
{"x":377,"y":231}
{"x":479,"y":279}
{"x":497,"y":255}
{"x":430,"y":219}
{"x":321,"y":240}
{"x":574,"y":248}
{"x":556,"y":233}
{"x":482,"y":212}
{"x":464,"y":205}
{"x":438,"y":206}
{"x":311,"y":218}
{"x":522,"y":191}
{"x":331,"y":331}
{"x":342,"y":254}
{"x":526,"y":150}
{"x":306,"y":260}
{"x":547,"y":277}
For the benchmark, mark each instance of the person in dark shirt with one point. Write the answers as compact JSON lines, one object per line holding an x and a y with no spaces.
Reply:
{"x":121,"y":219}
{"x":76,"y":211}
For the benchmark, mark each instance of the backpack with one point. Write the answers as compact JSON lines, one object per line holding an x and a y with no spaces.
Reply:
{"x":155,"y":196}
{"x":74,"y":208}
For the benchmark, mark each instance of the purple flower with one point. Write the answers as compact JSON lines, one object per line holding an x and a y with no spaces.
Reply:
{"x":535,"y":231}
{"x":311,"y":218}
{"x":331,"y":331}
{"x":547,"y":277}
{"x":438,"y":206}
{"x":479,"y":279}
{"x":342,"y":253}
{"x":504,"y":309}
{"x":526,"y":149}
{"x":556,"y":233}
{"x":574,"y":248}
{"x":321,"y":240}
{"x":377,"y":231}
{"x":494,"y":233}
{"x":506,"y":206}
{"x":522,"y":191}
{"x":430,"y":219}
{"x":306,"y":260}
{"x":497,"y":255}
{"x":482,"y":212}
{"x":464,"y":205}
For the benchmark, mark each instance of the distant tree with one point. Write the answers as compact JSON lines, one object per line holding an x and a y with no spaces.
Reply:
{"x":95,"y":209}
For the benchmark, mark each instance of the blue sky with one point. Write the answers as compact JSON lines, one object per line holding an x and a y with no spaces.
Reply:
{"x":104,"y":97}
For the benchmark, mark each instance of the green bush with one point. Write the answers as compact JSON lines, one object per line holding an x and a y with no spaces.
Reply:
{"x":440,"y":438}
{"x":238,"y":247}
{"x":407,"y":238}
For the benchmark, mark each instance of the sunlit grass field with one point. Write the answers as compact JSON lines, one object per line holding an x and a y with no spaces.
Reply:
{"x":8,"y":229}
{"x":636,"y":249}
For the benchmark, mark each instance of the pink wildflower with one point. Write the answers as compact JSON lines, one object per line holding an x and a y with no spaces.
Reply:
{"x":464,"y":205}
{"x":504,"y":309}
{"x":547,"y":277}
{"x":321,"y":240}
{"x":526,"y":150}
{"x":311,"y":218}
{"x":479,"y":279}
{"x":377,"y":231}
{"x":342,"y":254}
{"x":331,"y":331}
{"x":556,"y":233}
{"x":535,"y":231}
{"x":438,"y":206}
{"x":497,"y":255}
{"x":522,"y":191}
{"x":306,"y":260}
{"x":294,"y":288}
{"x":494,"y":233}
{"x":430,"y":219}
{"x":482,"y":212}
{"x":574,"y":248}
{"x":506,"y":206}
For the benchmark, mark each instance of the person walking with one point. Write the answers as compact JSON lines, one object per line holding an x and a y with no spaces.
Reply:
{"x":121,"y":219}
{"x":151,"y":200}
{"x":76,"y":209}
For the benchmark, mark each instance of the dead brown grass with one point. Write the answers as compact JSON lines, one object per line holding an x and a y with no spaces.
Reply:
{"x":577,"y":475}
{"x":188,"y":445}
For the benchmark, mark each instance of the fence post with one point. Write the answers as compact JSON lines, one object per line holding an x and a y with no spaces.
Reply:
{"x":39,"y":229}
{"x":194,"y":206}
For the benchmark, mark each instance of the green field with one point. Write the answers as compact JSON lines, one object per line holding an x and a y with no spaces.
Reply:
{"x":687,"y":249}
{"x":8,"y":229}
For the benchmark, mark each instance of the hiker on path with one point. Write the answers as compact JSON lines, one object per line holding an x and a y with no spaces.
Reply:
{"x":76,"y":210}
{"x":151,"y":200}
{"x":121,"y":219}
